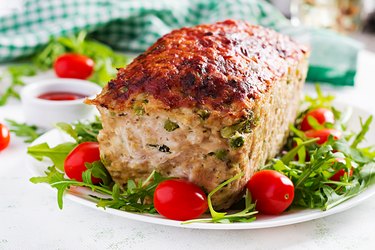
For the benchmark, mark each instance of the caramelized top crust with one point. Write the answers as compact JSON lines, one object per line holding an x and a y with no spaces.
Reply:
{"x":223,"y":66}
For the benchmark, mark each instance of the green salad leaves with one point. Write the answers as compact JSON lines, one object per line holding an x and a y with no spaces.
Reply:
{"x":28,"y":132}
{"x":311,"y":167}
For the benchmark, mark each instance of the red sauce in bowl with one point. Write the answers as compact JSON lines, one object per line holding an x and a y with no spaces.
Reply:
{"x":61,"y":96}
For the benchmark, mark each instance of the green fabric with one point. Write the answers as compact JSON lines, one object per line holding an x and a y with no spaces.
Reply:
{"x":133,"y":25}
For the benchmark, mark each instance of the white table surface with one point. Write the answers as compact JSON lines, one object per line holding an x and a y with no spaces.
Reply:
{"x":30,"y":218}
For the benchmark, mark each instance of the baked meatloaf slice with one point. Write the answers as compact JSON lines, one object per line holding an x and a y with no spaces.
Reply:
{"x":204,"y":104}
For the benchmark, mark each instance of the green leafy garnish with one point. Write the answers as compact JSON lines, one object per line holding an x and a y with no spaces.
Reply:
{"x":246,"y":215}
{"x":320,"y":101}
{"x":28,"y":132}
{"x":310,"y":166}
{"x":82,"y":131}
{"x":361,"y":135}
{"x":16,"y":72}
{"x":98,"y":170}
{"x":133,"y":197}
{"x":56,"y":154}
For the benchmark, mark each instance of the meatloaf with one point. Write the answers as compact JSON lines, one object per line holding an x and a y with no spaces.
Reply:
{"x":203,"y":104}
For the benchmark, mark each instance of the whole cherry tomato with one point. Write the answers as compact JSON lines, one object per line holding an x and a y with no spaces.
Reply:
{"x":272,"y":191}
{"x":4,"y":137}
{"x":341,"y":172}
{"x":322,"y":115}
{"x":73,"y":66}
{"x":323,"y":134}
{"x":179,"y":200}
{"x":74,"y":164}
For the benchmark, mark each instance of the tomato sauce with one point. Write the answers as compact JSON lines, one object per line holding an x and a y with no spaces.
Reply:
{"x":61,"y":96}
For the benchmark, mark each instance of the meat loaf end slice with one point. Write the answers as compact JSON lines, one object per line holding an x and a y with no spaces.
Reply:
{"x":204,"y":104}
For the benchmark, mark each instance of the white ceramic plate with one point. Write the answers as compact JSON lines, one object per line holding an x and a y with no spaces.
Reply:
{"x":80,"y":195}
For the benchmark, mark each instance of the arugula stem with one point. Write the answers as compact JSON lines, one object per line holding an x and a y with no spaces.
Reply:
{"x":148,"y":178}
{"x":214,"y":214}
{"x":290,"y":155}
{"x":82,"y":184}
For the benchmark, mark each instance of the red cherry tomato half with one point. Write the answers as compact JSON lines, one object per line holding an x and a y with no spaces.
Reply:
{"x":340,"y":173}
{"x":322,"y":115}
{"x":272,"y":191}
{"x":323,"y":134}
{"x":179,"y":200}
{"x":73,"y":66}
{"x":74,"y":164}
{"x":4,"y":137}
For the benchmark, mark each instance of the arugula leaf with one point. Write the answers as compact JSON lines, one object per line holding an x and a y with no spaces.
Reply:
{"x":56,"y":154}
{"x":354,"y":153}
{"x":320,"y":100}
{"x":98,"y":170}
{"x":53,"y":176}
{"x":292,"y":153}
{"x":317,"y":163}
{"x":16,"y":72}
{"x":45,"y":59}
{"x":29,"y":132}
{"x":134,"y":198}
{"x":68,"y":129}
{"x":320,"y":158}
{"x":245,"y":215}
{"x":361,"y":135}
{"x":334,"y":199}
{"x":82,"y":131}
{"x":314,"y":123}
{"x":56,"y":179}
{"x":367,"y":173}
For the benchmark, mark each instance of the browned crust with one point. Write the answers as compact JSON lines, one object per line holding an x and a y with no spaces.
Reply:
{"x":223,"y":66}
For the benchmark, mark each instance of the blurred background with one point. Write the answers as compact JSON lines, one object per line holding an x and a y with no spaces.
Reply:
{"x":355,"y":18}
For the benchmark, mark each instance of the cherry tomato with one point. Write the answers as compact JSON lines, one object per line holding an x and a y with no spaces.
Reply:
{"x":4,"y":137}
{"x":322,"y":115}
{"x":323,"y":134}
{"x":74,"y":164}
{"x":272,"y":191}
{"x":340,"y":173}
{"x":73,"y":66}
{"x":179,"y":200}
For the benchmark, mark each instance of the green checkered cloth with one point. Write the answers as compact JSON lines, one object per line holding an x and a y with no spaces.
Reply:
{"x":133,"y":25}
